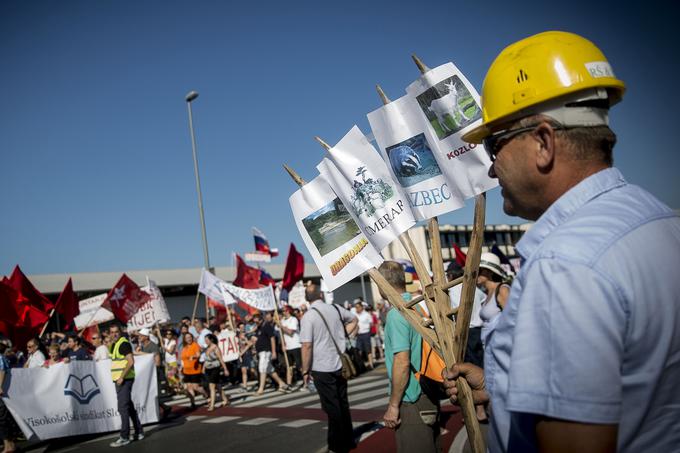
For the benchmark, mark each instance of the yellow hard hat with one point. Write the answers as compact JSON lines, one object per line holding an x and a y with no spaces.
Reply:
{"x":539,"y":68}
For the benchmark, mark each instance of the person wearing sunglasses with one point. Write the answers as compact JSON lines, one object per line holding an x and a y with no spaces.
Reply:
{"x":584,"y":356}
{"x":101,"y":352}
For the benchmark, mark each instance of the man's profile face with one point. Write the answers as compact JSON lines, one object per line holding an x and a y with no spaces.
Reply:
{"x":71,"y":343}
{"x":114,"y":333}
{"x":513,"y":168}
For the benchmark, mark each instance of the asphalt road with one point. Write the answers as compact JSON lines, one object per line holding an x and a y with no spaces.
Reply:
{"x":292,"y":422}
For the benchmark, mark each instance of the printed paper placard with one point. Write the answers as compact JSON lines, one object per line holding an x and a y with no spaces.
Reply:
{"x":449,"y":106}
{"x":334,"y":240}
{"x":399,"y":132}
{"x":358,"y":175}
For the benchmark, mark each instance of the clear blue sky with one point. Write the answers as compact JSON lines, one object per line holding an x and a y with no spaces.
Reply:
{"x":96,"y":168}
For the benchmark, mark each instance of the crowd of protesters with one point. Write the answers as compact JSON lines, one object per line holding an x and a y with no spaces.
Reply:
{"x":187,"y":355}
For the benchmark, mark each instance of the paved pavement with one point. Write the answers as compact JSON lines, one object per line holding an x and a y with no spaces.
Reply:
{"x":290,"y":422}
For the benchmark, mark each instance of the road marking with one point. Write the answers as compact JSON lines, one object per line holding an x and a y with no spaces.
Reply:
{"x":355,"y":397}
{"x":299,"y":423}
{"x":315,"y":397}
{"x":192,"y":418}
{"x":257,"y":421}
{"x":293,"y":399}
{"x":372,"y":404}
{"x":225,"y":418}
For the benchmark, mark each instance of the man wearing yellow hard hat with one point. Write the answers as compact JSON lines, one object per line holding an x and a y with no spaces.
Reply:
{"x":586,"y":354}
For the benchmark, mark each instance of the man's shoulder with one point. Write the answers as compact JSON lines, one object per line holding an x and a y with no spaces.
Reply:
{"x":601,"y":223}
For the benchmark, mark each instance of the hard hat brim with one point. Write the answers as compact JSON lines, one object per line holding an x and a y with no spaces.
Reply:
{"x":477,"y":134}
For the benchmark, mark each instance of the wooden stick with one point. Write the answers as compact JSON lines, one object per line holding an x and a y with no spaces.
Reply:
{"x":470,"y":277}
{"x":446,"y":331}
{"x":383,"y":97}
{"x":395,"y":299}
{"x":229,"y":318}
{"x":324,"y":144}
{"x":299,"y":181}
{"x":448,"y":285}
{"x":277,"y":320}
{"x":421,"y":66}
{"x":42,"y":331}
{"x":193,"y":314}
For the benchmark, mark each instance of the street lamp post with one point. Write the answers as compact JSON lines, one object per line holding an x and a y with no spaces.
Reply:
{"x":189,"y":98}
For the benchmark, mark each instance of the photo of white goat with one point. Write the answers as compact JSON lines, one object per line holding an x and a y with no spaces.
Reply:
{"x":449,"y":106}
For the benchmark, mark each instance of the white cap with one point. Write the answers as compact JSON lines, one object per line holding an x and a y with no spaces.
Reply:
{"x":145,"y":331}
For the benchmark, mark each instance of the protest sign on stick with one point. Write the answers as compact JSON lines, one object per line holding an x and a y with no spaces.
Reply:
{"x":337,"y":245}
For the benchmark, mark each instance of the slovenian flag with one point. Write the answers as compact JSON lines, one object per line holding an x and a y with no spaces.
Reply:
{"x":262,"y":244}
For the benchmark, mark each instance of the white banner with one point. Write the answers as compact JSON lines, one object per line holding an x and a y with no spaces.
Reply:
{"x":258,"y":257}
{"x":92,"y":312}
{"x":152,"y":312}
{"x":399,"y":130}
{"x":210,"y":285}
{"x":76,"y":398}
{"x":360,"y":178}
{"x":227,"y":341}
{"x":337,"y":245}
{"x":260,"y":298}
{"x":449,"y":106}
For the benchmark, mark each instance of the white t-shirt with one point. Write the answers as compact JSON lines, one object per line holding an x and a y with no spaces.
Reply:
{"x":36,"y":360}
{"x":101,"y":353}
{"x":454,"y":295}
{"x":292,"y":341}
{"x":170,"y":357}
{"x":365,"y":321}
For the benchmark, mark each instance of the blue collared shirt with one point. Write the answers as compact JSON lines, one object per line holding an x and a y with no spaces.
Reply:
{"x":591,"y":330}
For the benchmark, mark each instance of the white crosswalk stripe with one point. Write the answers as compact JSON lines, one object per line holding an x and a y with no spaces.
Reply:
{"x":225,"y":418}
{"x":299,"y":423}
{"x":257,"y":421}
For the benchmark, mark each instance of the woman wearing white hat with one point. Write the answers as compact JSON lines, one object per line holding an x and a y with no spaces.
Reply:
{"x":490,"y":280}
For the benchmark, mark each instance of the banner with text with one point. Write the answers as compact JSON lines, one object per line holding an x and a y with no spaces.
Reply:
{"x":260,"y":298}
{"x":337,"y":245}
{"x":448,"y":105}
{"x":358,"y":175}
{"x":92,"y":312}
{"x":400,"y":133}
{"x":75,"y":398}
{"x":153,"y":312}
{"x":227,"y":341}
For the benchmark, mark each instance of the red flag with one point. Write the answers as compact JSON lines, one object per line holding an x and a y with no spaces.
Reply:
{"x":33,"y":319}
{"x":460,"y":256}
{"x":19,"y":282}
{"x":295,"y":268}
{"x":67,"y":304}
{"x":125,"y":298}
{"x":10,"y":309}
{"x":246,"y":276}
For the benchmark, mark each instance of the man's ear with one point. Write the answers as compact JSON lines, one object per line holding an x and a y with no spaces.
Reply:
{"x":544,"y":136}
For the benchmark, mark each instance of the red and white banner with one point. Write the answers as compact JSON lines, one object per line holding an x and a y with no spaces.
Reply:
{"x":227,"y":341}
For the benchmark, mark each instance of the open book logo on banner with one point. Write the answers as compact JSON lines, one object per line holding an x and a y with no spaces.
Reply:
{"x":369,"y":194}
{"x":82,"y":389}
{"x":449,"y":106}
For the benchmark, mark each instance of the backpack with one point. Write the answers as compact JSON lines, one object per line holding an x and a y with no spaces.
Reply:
{"x":430,"y":373}
{"x":432,"y":364}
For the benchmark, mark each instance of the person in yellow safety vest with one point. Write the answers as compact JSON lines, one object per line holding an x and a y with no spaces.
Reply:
{"x":123,"y":375}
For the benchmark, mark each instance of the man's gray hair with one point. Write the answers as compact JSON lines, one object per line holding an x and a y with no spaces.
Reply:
{"x":394,"y":274}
